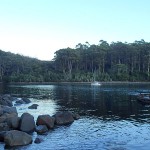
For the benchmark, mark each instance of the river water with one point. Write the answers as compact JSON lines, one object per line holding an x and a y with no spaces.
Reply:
{"x":111,"y":116}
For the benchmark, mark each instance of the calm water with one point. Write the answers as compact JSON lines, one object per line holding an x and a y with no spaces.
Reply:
{"x":111,"y":117}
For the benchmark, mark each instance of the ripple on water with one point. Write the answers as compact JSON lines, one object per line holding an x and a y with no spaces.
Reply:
{"x":89,"y":133}
{"x":111,"y":117}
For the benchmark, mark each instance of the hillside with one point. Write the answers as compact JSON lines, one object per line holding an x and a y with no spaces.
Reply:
{"x":18,"y":68}
{"x":85,"y":63}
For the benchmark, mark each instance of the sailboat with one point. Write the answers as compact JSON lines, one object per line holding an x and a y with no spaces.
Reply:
{"x":95,"y":83}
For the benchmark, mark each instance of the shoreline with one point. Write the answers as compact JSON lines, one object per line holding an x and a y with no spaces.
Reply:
{"x":49,"y":83}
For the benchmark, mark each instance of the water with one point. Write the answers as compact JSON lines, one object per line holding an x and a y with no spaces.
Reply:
{"x":111,"y":116}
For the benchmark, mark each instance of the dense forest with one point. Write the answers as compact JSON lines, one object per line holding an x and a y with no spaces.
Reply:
{"x":102,"y":62}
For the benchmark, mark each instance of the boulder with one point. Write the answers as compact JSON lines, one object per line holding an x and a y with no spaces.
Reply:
{"x":34,"y":106}
{"x":6,"y":100}
{"x":2,"y":134}
{"x":4,"y":126}
{"x":13,"y":122}
{"x":5,"y":117}
{"x":17,"y":138}
{"x":6,"y":97}
{"x":41,"y":129}
{"x":46,"y":120}
{"x":62,"y":118}
{"x":27,"y":123}
{"x":26,"y":100}
{"x":9,"y":110}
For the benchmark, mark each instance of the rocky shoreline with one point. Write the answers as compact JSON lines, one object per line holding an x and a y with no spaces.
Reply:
{"x":17,"y":131}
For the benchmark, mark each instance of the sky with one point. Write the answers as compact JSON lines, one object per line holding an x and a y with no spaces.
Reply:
{"x":38,"y":28}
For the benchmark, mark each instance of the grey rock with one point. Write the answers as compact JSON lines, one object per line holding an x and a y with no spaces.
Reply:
{"x":9,"y":110}
{"x":17,"y":138}
{"x":13,"y":122}
{"x":4,"y":127}
{"x":5,"y":117}
{"x":27,"y":123}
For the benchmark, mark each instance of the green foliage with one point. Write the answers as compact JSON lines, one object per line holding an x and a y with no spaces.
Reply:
{"x":103,"y":62}
{"x":119,"y":72}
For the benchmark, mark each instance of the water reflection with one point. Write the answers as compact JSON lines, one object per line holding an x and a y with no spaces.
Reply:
{"x":108,"y":102}
{"x":111,"y":117}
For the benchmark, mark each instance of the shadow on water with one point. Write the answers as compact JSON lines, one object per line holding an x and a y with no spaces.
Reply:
{"x":111,"y":102}
{"x":108,"y":102}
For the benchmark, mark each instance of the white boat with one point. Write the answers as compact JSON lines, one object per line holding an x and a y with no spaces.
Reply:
{"x":95,"y":83}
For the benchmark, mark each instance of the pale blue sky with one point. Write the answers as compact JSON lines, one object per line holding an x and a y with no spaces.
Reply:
{"x":38,"y":28}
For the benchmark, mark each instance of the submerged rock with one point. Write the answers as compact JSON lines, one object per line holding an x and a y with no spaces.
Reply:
{"x":26,"y":100}
{"x":38,"y":140}
{"x":19,"y":102}
{"x":41,"y":129}
{"x":34,"y":106}
{"x":17,"y":138}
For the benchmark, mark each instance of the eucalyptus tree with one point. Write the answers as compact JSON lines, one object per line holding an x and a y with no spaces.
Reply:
{"x":65,"y":60}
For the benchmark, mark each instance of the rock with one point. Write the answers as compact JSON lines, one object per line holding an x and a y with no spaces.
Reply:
{"x":62,"y":118}
{"x":10,"y":120}
{"x":1,"y":111}
{"x":2,"y":134}
{"x":5,"y":117}
{"x":19,"y":102}
{"x":38,"y":140}
{"x":9,"y":110}
{"x":13,"y":122}
{"x":6,"y":97}
{"x":14,"y":98}
{"x":34,"y":106}
{"x":76,"y":116}
{"x":46,"y":120}
{"x":4,"y":127}
{"x":27,"y":123}
{"x":17,"y":138}
{"x":26,"y":100}
{"x":41,"y":129}
{"x":6,"y":100}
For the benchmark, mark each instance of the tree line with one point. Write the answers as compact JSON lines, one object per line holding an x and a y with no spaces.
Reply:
{"x":117,"y":61}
